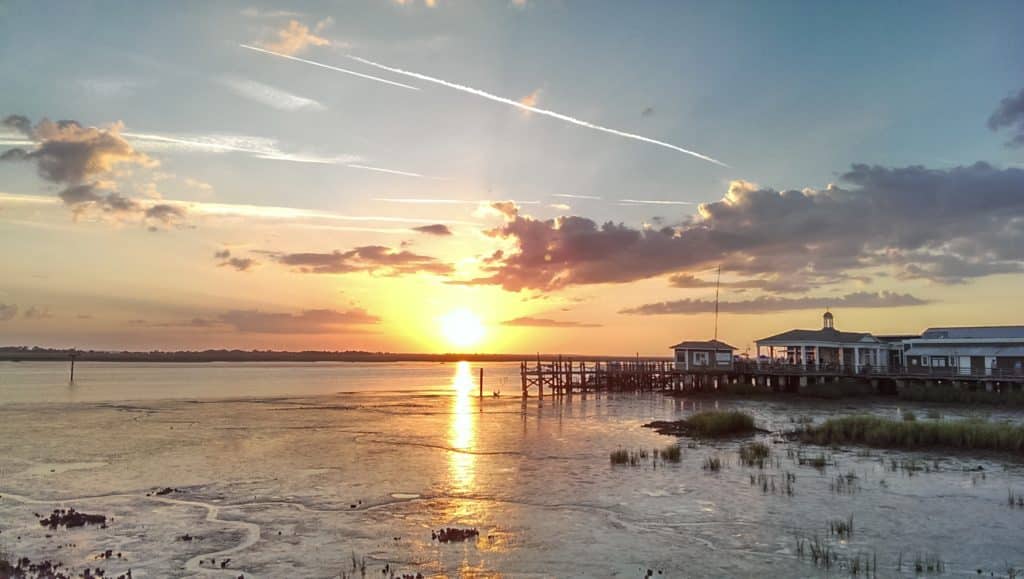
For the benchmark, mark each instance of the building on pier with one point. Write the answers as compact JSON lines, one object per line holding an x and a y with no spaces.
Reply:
{"x":827,"y":348}
{"x":985,"y":350}
{"x":709,"y":355}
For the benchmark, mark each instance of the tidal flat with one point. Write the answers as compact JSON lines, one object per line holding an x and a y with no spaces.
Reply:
{"x":344,"y":481}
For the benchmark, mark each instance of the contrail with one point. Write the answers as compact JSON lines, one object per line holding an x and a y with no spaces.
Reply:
{"x":519,"y":105}
{"x":322,"y":65}
{"x":653,"y":202}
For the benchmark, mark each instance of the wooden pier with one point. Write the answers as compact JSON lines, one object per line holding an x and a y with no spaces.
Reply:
{"x":564,"y":377}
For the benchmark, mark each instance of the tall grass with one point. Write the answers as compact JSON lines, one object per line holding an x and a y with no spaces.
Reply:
{"x":715,"y":423}
{"x":881,"y":432}
{"x":754,"y":454}
{"x":950,"y":394}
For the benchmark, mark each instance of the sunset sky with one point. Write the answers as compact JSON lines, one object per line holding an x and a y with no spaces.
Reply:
{"x":507,"y":175}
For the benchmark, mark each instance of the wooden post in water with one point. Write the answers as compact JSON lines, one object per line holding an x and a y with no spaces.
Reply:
{"x":481,"y":384}
{"x":73,"y":354}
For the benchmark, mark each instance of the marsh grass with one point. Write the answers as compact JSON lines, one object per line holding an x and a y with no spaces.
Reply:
{"x":622,"y":457}
{"x":671,"y":453}
{"x":975,"y":434}
{"x":712,"y":464}
{"x":714,"y":423}
{"x":1013,"y":499}
{"x":842,"y":528}
{"x":819,"y":461}
{"x":928,"y":563}
{"x":951,"y":394}
{"x":754,"y":454}
{"x":845,"y":484}
{"x":767,"y":483}
{"x":909,"y":416}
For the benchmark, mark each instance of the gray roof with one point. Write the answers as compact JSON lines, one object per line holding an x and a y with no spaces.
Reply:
{"x":707,"y":345}
{"x":822,"y":335}
{"x":975,"y":332}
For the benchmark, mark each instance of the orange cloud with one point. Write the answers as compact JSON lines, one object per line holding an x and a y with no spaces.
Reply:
{"x":297,"y":37}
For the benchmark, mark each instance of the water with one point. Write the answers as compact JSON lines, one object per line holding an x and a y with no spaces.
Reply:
{"x":291,"y":469}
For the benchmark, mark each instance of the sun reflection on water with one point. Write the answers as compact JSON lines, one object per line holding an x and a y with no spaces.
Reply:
{"x":462,"y":432}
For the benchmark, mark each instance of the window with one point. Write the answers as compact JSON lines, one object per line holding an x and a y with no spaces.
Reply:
{"x":700,"y":358}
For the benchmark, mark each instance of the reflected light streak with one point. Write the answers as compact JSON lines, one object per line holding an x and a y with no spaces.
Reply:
{"x":462,"y":431}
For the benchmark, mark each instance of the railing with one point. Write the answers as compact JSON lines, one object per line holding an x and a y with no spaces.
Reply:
{"x":776,"y":367}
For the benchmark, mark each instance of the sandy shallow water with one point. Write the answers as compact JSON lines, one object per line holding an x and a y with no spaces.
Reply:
{"x":298,"y":486}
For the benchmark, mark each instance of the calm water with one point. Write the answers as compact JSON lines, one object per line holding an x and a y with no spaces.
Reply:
{"x":290,"y":470}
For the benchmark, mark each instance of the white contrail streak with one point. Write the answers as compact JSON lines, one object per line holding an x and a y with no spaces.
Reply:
{"x":653,"y":202}
{"x":519,"y":105}
{"x":383,"y":170}
{"x":327,"y":66}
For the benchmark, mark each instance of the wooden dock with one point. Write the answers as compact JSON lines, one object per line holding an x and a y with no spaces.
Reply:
{"x":565,"y":377}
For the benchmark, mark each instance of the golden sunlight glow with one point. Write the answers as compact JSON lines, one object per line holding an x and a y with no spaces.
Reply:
{"x":462,"y":328}
{"x":462,"y":431}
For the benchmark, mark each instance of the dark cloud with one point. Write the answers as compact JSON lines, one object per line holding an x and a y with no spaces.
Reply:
{"x":436,"y":229}
{"x":238,"y":263}
{"x":8,"y":312}
{"x":368,"y":258}
{"x":768,"y":284}
{"x":306,"y":322}
{"x":83,"y":159}
{"x":889,"y":218}
{"x":766,"y":304}
{"x":546,"y":323}
{"x":1010,"y":115}
{"x":67,"y":152}
{"x":19,"y":123}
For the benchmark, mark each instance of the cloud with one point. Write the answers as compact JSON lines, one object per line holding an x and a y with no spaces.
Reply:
{"x":1010,"y":115}
{"x":253,"y":12}
{"x":318,"y":321}
{"x":769,"y":284}
{"x":368,"y":258}
{"x":238,"y":263}
{"x":37,"y":313}
{"x":766,"y":304}
{"x":533,"y":109}
{"x":531,"y":99}
{"x":296,"y":37}
{"x":968,"y":221}
{"x":8,"y":312}
{"x":271,"y":96}
{"x":530,"y":322}
{"x":67,"y":152}
{"x":84,"y":159}
{"x":435,"y":229}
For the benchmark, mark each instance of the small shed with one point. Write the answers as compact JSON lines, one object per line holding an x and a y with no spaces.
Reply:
{"x":711,"y":354}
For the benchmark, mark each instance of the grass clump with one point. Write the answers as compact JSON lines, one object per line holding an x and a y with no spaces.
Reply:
{"x":712,"y":464}
{"x":842,"y":528}
{"x":715,"y":423}
{"x":754,"y":454}
{"x":1014,"y":499}
{"x":972,"y":434}
{"x":621,"y":457}
{"x":672,"y":453}
{"x":909,"y":416}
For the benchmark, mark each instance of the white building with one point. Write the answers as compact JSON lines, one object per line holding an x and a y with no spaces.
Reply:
{"x":827,"y":348}
{"x":975,"y":351}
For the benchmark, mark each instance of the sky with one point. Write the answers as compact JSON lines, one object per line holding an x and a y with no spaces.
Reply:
{"x":519,"y":176}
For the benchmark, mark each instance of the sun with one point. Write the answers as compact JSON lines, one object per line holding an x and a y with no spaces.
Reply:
{"x":462,"y":328}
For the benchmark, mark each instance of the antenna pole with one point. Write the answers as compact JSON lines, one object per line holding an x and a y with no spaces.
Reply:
{"x":718,"y":283}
